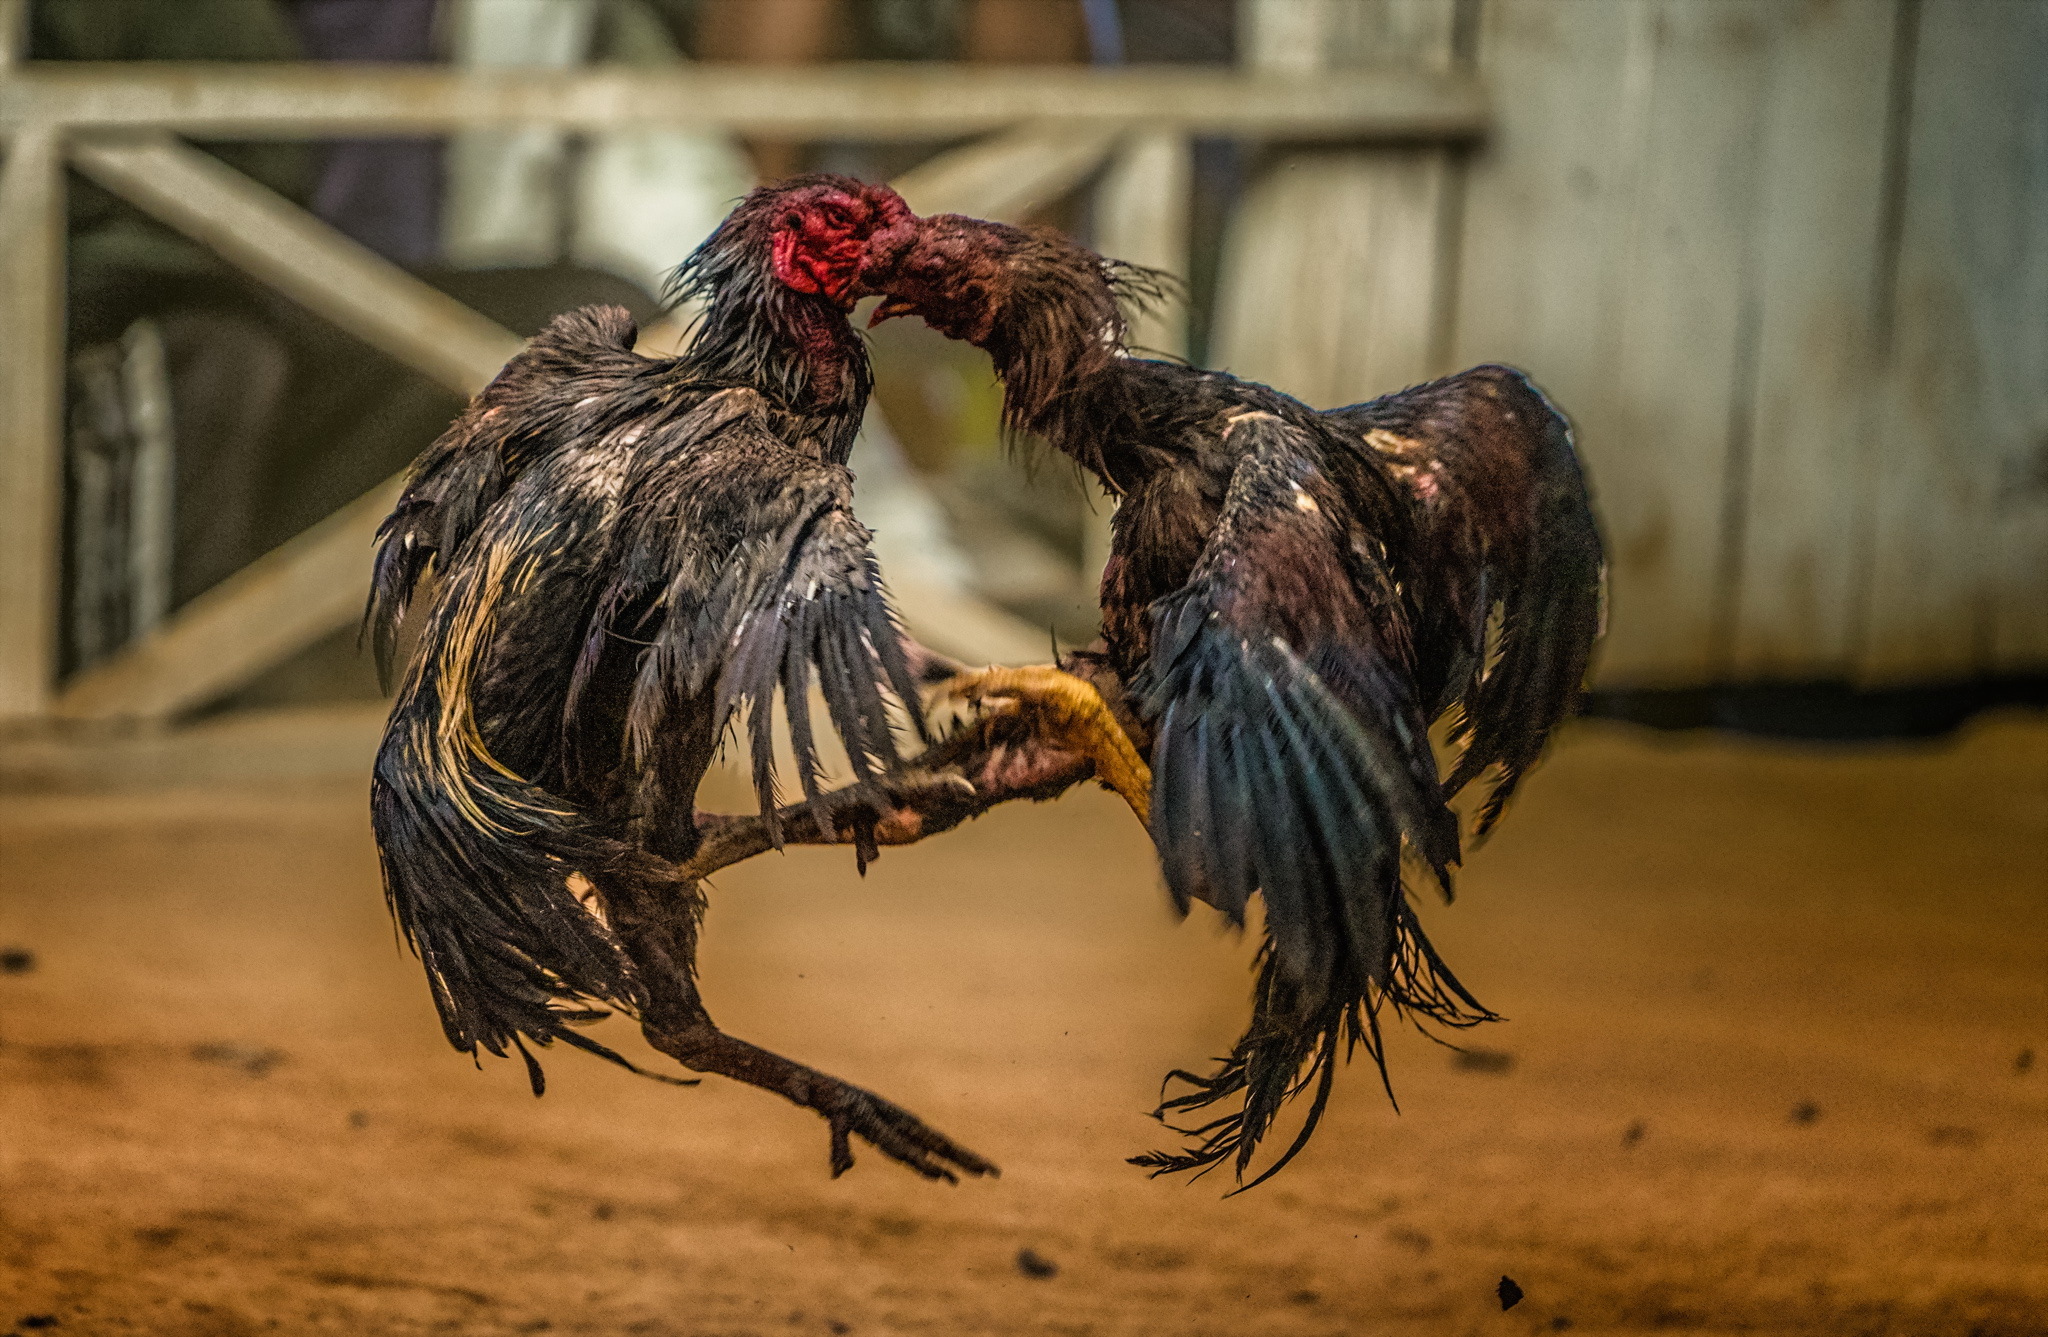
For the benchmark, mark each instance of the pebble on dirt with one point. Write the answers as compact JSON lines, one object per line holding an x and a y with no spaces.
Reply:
{"x":1484,"y":1060}
{"x":1032,"y":1264}
{"x":255,"y":1062}
{"x":1510,"y":1294}
{"x":1634,"y":1133}
{"x":1805,"y":1112}
{"x":16,"y":961}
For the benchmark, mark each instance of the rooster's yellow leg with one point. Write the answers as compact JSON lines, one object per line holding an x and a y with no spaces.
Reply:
{"x":1069,"y":712}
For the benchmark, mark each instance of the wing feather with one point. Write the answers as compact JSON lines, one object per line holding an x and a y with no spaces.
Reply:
{"x":1507,"y":540}
{"x":742,"y":565}
{"x":1291,"y":757}
{"x":477,"y":857}
{"x":505,"y":427}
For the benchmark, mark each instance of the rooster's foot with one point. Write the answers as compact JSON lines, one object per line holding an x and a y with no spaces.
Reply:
{"x":1070,"y":713}
{"x":891,"y":1130}
{"x":898,"y":1134}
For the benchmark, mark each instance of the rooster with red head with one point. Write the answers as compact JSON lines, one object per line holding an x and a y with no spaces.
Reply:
{"x":626,"y":554}
{"x":1292,"y":598}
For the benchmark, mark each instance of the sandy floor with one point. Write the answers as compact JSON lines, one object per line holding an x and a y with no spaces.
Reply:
{"x":228,"y":1108}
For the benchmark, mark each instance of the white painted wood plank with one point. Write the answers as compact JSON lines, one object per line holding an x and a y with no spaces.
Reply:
{"x":1605,"y":249}
{"x":1806,"y":499}
{"x":13,"y":32}
{"x":1960,"y":571}
{"x":1329,"y":287}
{"x":868,"y":99}
{"x":31,"y":417}
{"x":1141,"y":215}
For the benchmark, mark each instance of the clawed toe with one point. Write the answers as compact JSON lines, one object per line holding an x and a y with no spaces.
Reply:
{"x":897,"y":1134}
{"x":1067,"y":711}
{"x":847,"y":1110}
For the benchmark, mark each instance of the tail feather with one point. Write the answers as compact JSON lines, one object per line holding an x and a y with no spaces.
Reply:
{"x":1290,"y":1046}
{"x":477,"y":866}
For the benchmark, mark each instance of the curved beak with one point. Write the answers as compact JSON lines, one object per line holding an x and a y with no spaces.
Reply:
{"x":890,"y":309}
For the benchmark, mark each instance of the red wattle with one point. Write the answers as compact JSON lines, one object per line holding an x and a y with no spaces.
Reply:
{"x":783,"y":258}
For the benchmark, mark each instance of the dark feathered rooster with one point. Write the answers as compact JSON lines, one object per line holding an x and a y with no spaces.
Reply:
{"x":1291,"y":599}
{"x":627,"y":554}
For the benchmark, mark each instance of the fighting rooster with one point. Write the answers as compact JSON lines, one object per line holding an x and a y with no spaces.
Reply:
{"x":1291,"y":599}
{"x":626,"y":554}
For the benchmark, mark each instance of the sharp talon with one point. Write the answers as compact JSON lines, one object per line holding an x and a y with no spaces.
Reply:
{"x":946,"y":782}
{"x":1069,"y":712}
{"x":897,"y":1134}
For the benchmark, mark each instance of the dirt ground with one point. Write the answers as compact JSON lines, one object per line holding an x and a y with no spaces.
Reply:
{"x":1769,"y":1011}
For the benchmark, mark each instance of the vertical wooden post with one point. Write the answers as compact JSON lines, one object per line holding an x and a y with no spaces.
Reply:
{"x":1141,"y":215}
{"x":31,"y":417}
{"x":13,"y":32}
{"x":1799,"y":555}
{"x":1959,"y":569}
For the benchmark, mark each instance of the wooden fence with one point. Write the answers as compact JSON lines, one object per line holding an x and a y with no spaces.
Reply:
{"x":1784,"y":261}
{"x":115,"y":124}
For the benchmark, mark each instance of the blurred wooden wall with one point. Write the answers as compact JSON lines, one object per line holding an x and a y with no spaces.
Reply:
{"x":1785,"y":263}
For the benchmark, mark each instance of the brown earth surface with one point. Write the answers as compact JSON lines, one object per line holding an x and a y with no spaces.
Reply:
{"x":1768,"y":1011}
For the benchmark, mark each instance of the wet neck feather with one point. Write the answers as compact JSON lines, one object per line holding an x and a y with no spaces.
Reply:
{"x":799,"y":350}
{"x":1056,"y":351}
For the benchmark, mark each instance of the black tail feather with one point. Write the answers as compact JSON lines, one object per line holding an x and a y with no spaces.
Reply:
{"x":1289,"y":1048}
{"x":477,"y":870}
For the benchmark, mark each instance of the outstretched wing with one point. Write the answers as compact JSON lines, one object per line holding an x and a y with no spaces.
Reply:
{"x":507,"y":424}
{"x":1505,"y":536}
{"x":740,"y":566}
{"x":1291,"y":757}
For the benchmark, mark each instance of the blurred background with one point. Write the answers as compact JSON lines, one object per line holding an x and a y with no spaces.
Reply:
{"x":1784,"y":264}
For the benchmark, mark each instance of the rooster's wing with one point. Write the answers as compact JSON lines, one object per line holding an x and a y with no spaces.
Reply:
{"x":519,"y":417}
{"x":739,"y":564}
{"x":1504,"y":529}
{"x":1291,"y":757}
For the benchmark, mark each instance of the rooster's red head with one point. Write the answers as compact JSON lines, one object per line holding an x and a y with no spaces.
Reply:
{"x":809,"y":234}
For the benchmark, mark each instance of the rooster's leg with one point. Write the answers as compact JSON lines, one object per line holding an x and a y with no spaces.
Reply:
{"x":1069,"y":713}
{"x":895,"y":1132}
{"x":660,"y":934}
